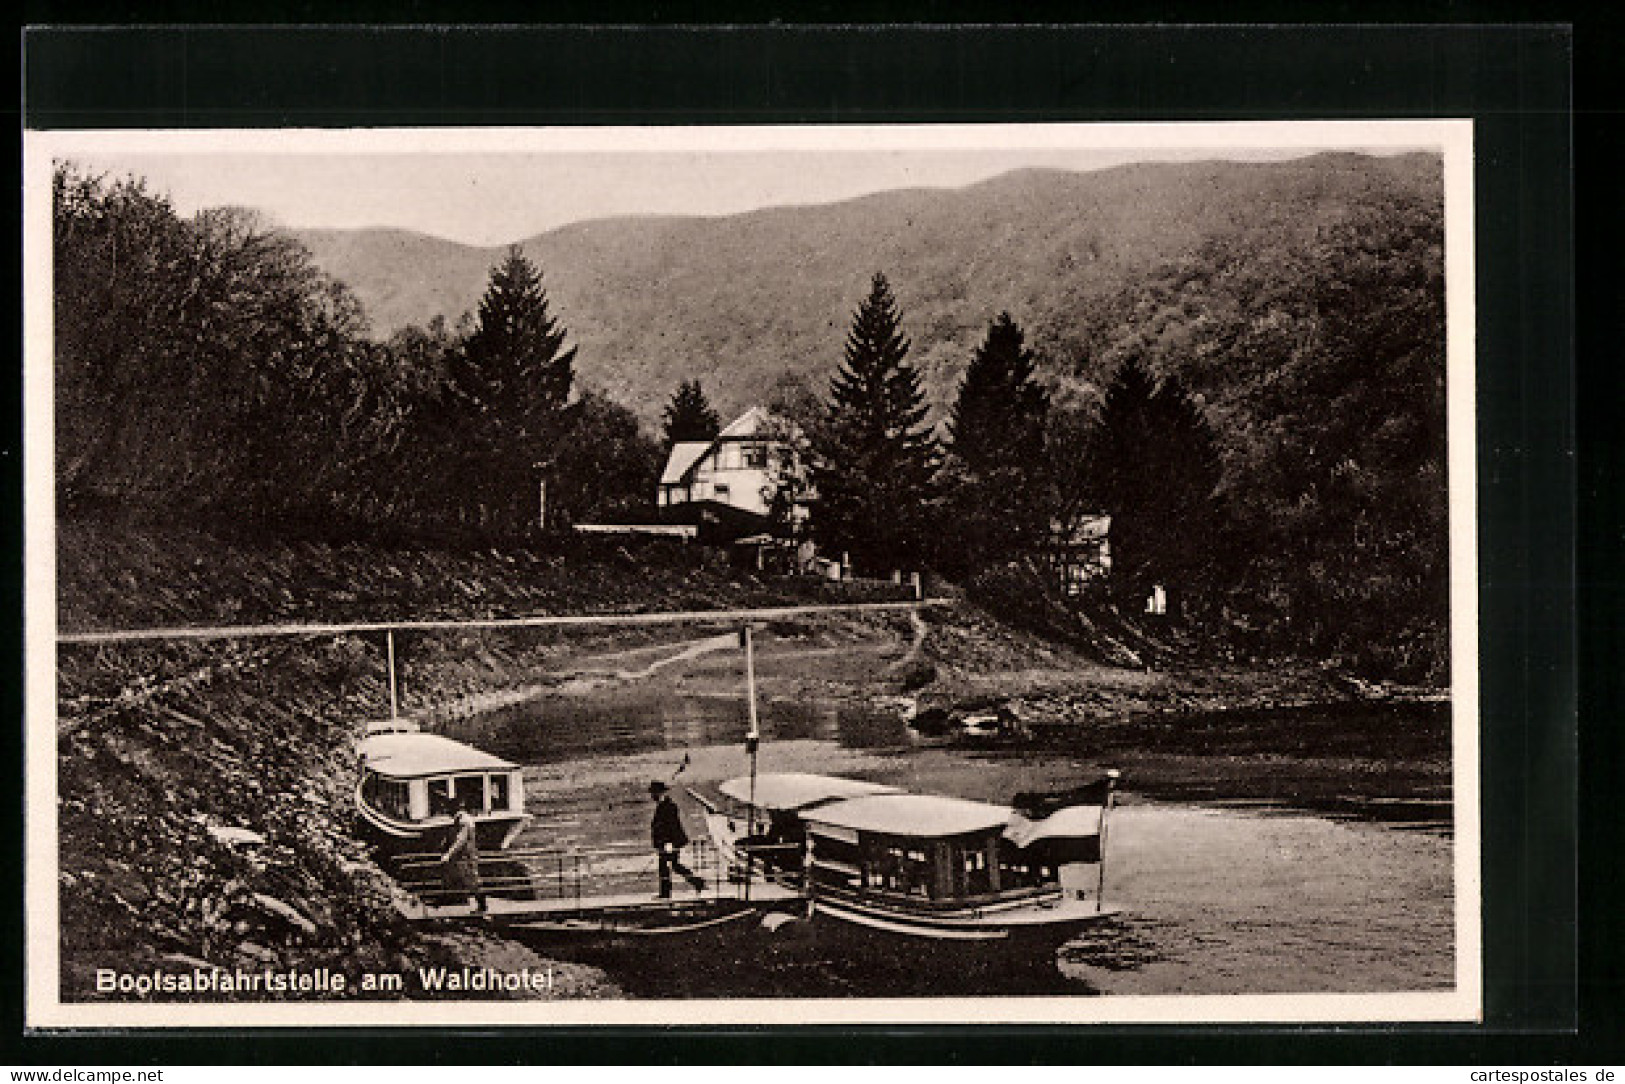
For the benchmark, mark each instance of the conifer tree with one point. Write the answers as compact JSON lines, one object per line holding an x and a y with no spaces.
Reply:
{"x":874,"y":458}
{"x":1155,"y":467}
{"x":509,"y":391}
{"x":998,"y":496}
{"x":513,"y":365}
{"x":689,"y":415}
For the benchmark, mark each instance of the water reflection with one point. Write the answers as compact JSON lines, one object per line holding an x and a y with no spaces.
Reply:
{"x":556,"y":728}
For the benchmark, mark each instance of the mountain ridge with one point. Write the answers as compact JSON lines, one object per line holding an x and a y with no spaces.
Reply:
{"x":739,"y":300}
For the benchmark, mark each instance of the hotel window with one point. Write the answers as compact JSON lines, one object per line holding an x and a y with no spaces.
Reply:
{"x":756,"y":456}
{"x":721,"y":489}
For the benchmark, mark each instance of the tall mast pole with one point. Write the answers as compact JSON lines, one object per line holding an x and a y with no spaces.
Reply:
{"x":753,"y":741}
{"x":1111,"y":792}
{"x":389,"y":646}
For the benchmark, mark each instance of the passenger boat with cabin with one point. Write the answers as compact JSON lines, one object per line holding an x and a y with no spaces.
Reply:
{"x":914,"y":866}
{"x":413,"y":784}
{"x":918,"y":866}
{"x":759,"y":822}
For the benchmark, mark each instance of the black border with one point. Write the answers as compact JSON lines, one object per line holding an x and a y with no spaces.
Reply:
{"x":1512,"y":81}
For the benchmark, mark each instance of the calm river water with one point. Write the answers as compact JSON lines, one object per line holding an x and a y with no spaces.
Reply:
{"x":1214,"y":900}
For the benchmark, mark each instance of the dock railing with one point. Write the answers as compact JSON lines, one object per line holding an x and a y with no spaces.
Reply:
{"x":754,"y":864}
{"x":583,"y":876}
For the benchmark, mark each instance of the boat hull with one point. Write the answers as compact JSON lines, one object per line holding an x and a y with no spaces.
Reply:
{"x":892,"y":956}
{"x":734,"y":948}
{"x":1032,"y":929}
{"x":705,"y":917}
{"x":713,"y":948}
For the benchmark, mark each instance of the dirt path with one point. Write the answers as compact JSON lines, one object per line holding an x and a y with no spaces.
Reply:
{"x":241,"y":632}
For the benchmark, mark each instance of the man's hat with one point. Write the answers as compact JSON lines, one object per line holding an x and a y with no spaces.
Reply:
{"x":657,"y":787}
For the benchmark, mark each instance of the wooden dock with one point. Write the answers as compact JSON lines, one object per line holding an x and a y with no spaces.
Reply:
{"x":610,"y":889}
{"x":501,"y":911}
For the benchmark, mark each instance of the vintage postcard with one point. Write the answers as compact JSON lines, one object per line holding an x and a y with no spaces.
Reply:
{"x":974,"y":573}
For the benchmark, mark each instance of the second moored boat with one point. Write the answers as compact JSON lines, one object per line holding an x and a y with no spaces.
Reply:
{"x":918,"y":866}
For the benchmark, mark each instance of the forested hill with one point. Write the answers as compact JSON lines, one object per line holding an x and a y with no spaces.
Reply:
{"x":210,"y":369}
{"x":736,"y":301}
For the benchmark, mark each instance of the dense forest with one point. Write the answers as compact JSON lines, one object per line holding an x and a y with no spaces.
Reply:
{"x":206,"y":369}
{"x":1252,"y":386}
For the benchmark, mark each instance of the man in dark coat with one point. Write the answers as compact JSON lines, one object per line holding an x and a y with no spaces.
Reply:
{"x":666,"y":830}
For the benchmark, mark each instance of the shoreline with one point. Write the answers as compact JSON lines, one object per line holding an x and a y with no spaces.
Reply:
{"x":166,"y":750}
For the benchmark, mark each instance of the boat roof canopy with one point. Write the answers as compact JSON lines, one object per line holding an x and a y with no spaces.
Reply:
{"x":798,"y":790}
{"x":923,"y":816}
{"x":413,"y":756}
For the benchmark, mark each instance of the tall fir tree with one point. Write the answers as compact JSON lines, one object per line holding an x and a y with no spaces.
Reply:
{"x":998,"y":496}
{"x":874,"y":459}
{"x":513,"y":364}
{"x":509,"y":395}
{"x":1155,"y":467}
{"x":689,"y":415}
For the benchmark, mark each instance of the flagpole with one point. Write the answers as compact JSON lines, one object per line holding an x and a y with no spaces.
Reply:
{"x":1111,"y":792}
{"x":753,"y":741}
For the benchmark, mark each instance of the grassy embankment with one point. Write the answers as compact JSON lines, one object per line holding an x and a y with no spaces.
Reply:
{"x":164,"y":746}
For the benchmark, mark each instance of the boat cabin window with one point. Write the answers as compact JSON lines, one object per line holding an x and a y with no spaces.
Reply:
{"x":1016,"y":870}
{"x":450,"y":794}
{"x":391,"y":797}
{"x":974,"y":875}
{"x":902,"y":867}
{"x":501,"y":794}
{"x":837,"y":861}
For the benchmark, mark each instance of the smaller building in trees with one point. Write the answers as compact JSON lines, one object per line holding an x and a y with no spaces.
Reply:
{"x":1078,"y":552}
{"x":735,"y":475}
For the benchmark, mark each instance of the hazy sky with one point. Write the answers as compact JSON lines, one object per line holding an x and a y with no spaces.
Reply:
{"x":489,"y":191}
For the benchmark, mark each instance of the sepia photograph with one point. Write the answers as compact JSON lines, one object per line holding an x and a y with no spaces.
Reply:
{"x":782,"y":574}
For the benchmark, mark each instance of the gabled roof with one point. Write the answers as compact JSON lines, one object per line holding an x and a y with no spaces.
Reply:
{"x":749,"y":424}
{"x":922,"y":816}
{"x":798,"y":790}
{"x":414,"y":755}
{"x":684,"y":454}
{"x":1083,"y":529}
